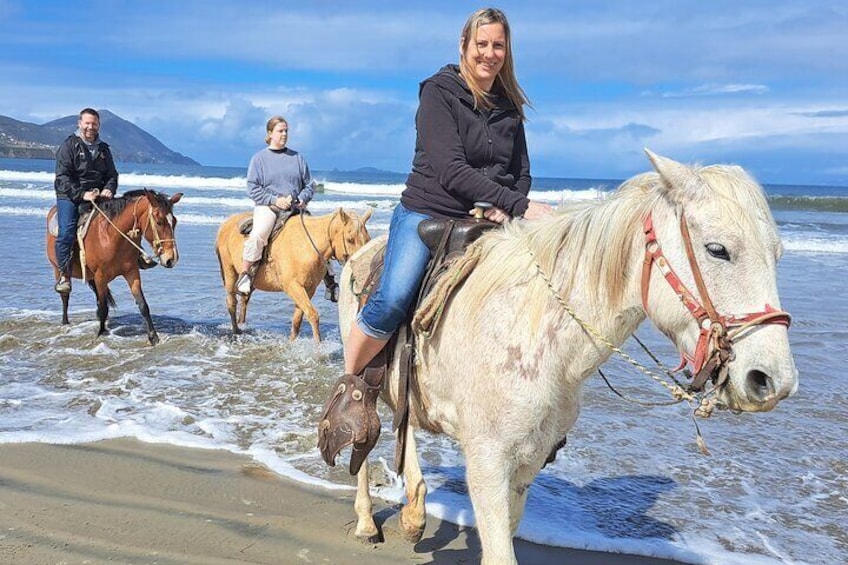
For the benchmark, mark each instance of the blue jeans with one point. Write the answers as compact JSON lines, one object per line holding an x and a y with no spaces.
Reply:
{"x":404,"y":267}
{"x":68,"y":216}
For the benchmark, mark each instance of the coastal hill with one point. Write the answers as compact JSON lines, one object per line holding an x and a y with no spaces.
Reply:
{"x":129,"y":143}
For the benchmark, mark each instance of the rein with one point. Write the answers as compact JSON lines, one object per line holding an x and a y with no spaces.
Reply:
{"x":309,"y":236}
{"x":714,"y":349}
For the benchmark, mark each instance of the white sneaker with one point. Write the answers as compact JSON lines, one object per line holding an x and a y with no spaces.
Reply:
{"x":244,"y":284}
{"x":63,"y":285}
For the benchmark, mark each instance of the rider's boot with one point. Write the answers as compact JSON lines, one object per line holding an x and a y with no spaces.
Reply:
{"x":331,"y":287}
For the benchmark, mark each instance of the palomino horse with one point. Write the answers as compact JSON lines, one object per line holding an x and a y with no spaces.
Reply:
{"x":296,"y":260}
{"x":112,"y":247}
{"x":503,"y":371}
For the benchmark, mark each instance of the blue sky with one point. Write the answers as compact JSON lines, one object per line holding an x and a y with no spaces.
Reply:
{"x":760,"y":83}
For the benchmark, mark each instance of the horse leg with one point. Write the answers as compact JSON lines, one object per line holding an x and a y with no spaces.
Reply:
{"x":519,"y":488}
{"x":232,"y":303}
{"x":297,"y":321}
{"x":302,"y":301}
{"x":65,"y":298}
{"x":243,"y":300}
{"x":101,"y":289}
{"x":413,"y":515}
{"x":134,"y":282}
{"x":366,"y":528}
{"x":487,"y":476}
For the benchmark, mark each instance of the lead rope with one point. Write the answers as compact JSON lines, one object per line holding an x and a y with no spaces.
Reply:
{"x":704,"y":405}
{"x":125,"y":236}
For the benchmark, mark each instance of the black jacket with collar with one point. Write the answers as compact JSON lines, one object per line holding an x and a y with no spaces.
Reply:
{"x":463,"y":155}
{"x":77,"y":171}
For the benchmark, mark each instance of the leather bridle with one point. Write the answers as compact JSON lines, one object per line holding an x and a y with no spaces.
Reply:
{"x":718,"y":333}
{"x":157,"y":241}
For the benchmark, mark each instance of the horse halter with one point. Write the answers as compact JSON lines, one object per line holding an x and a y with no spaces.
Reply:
{"x":344,"y":239}
{"x":151,"y":223}
{"x":718,"y":333}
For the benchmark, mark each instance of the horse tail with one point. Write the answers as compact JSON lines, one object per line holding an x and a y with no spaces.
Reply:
{"x":220,"y":265}
{"x":109,"y":298}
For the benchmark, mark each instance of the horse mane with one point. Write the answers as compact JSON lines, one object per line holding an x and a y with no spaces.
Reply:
{"x":594,"y":239}
{"x":113,"y":207}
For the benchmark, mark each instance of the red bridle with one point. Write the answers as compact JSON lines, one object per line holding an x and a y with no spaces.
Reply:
{"x":714,"y":348}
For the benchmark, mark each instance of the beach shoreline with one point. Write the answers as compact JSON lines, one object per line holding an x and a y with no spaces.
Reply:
{"x":125,"y":501}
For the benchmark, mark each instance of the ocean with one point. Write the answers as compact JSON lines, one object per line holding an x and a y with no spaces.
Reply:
{"x":631,"y":478}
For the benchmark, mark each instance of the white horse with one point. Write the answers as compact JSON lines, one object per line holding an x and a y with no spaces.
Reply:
{"x":503,"y":371}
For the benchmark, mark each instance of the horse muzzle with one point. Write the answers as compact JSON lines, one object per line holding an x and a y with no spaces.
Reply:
{"x":168,"y":259}
{"x":757,"y":390}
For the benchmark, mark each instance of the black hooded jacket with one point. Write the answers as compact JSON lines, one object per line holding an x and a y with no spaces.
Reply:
{"x":463,"y":155}
{"x":77,"y":171}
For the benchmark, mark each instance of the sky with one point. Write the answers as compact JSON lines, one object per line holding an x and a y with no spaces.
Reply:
{"x":759,"y":83}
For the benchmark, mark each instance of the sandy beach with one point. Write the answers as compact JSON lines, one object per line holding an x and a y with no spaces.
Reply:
{"x":124,"y":501}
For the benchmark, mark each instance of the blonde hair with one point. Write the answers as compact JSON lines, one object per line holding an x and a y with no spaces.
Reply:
{"x":272,"y":123}
{"x":506,"y":77}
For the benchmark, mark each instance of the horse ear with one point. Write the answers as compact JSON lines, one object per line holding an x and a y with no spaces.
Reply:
{"x":342,"y":214}
{"x":175,"y":198}
{"x":682,"y":183}
{"x":367,"y":214}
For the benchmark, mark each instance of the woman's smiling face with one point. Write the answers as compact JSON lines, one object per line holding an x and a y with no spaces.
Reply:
{"x":485,"y":53}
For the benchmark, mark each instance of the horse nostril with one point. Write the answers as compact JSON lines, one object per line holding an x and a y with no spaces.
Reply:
{"x":759,"y":385}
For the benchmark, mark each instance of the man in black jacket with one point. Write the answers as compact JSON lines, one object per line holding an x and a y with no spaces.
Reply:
{"x":85,"y":171}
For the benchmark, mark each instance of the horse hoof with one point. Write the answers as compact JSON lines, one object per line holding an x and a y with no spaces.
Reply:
{"x":410,"y":534}
{"x":154,"y":339}
{"x":369,"y":539}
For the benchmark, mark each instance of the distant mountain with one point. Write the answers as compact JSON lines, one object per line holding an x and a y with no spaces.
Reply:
{"x":129,"y":143}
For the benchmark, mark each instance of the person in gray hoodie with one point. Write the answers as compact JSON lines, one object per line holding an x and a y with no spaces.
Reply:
{"x":278,"y":180}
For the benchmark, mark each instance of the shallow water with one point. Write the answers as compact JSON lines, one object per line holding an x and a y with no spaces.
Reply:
{"x":631,"y":478}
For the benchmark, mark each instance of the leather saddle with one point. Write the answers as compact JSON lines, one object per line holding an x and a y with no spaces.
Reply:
{"x":246,"y":225}
{"x":350,"y":415}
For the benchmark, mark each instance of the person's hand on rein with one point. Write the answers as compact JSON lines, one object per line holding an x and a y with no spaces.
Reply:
{"x":536,"y":210}
{"x":496,"y":215}
{"x":91,"y":195}
{"x":106,"y":193}
{"x":283,"y":202}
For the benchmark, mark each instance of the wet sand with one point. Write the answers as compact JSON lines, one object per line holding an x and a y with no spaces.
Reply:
{"x":124,"y":501}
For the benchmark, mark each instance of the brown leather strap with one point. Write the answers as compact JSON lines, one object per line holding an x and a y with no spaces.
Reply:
{"x":696,"y":270}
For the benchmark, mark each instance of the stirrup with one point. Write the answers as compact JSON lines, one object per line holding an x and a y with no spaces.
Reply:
{"x":349,"y":418}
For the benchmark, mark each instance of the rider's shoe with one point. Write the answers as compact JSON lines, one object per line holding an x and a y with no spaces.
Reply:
{"x":331,"y":287}
{"x":331,"y":292}
{"x":63,"y":285}
{"x":146,"y":262}
{"x":244,"y":284}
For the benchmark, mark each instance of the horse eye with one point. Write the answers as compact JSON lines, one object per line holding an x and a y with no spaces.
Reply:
{"x":718,"y":251}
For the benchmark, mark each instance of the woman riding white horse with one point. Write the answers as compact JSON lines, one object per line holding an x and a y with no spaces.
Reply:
{"x":693,"y":249}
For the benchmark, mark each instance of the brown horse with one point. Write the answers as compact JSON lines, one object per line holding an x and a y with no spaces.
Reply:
{"x":296,"y":260}
{"x":112,"y":246}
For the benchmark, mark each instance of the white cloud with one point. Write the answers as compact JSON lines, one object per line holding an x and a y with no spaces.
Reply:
{"x":714,"y":89}
{"x":706,"y":80}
